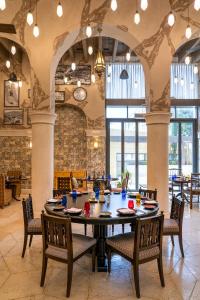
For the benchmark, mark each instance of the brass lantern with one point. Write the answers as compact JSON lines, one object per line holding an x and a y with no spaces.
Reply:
{"x":100,"y":63}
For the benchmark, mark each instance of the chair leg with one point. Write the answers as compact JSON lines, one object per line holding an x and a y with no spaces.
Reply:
{"x":136,"y":279}
{"x":109,"y":259}
{"x":160,"y":269}
{"x":85,"y":229}
{"x":31,"y":238}
{"x":113,"y":229}
{"x":93,"y":258}
{"x":69,"y":278}
{"x":172,"y":240}
{"x":44,"y":268}
{"x":25,"y":243}
{"x":181,"y":244}
{"x":122,"y":228}
{"x":190,"y":201}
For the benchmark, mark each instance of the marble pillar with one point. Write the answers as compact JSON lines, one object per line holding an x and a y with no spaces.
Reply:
{"x":42,"y":158}
{"x":157,"y":155}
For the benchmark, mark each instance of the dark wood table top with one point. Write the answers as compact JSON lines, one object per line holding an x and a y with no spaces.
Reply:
{"x":116,"y":201}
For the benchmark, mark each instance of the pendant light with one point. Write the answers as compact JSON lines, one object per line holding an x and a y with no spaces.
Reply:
{"x":88,"y":31}
{"x":8,"y":64}
{"x":109,"y":69}
{"x":90,"y":50}
{"x":197,"y":5}
{"x":59,"y":10}
{"x":182,"y":82}
{"x":13,"y":77}
{"x":196,"y":70}
{"x":2,"y":4}
{"x":187,"y":60}
{"x":124,"y":75}
{"x":108,"y":79}
{"x":188,"y":31}
{"x":135,"y":84}
{"x":192,"y":85}
{"x":29,"y":17}
{"x":78,"y":83}
{"x":171,"y":19}
{"x":65,"y":79}
{"x":137,"y":17}
{"x":13,"y":50}
{"x":175,"y":79}
{"x":99,"y":66}
{"x":20,"y":83}
{"x":144,"y":4}
{"x":128,"y":56}
{"x":93,"y":78}
{"x":73,"y":66}
{"x":36,"y":30}
{"x":113,"y":5}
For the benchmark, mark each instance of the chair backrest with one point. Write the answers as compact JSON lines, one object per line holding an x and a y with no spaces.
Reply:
{"x":27,"y":211}
{"x":175,"y":171}
{"x":2,"y":190}
{"x":59,"y":192}
{"x":57,"y":232}
{"x":148,"y":234}
{"x":195,"y":181}
{"x":151,"y":194}
{"x":177,"y":210}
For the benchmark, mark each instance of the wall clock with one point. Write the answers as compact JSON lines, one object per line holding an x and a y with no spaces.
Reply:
{"x":80,"y":94}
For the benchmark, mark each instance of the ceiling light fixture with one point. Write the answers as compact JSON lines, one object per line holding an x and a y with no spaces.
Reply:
{"x":59,"y":10}
{"x":197,"y":5}
{"x":2,"y":4}
{"x":20,"y":83}
{"x":135,"y":84}
{"x":188,"y":31}
{"x":13,"y":77}
{"x":88,"y":31}
{"x":175,"y":79}
{"x":78,"y":83}
{"x":73,"y":66}
{"x":182,"y":82}
{"x":99,"y":66}
{"x":29,"y":18}
{"x":137,"y":17}
{"x":109,"y":69}
{"x":144,"y":4}
{"x":13,"y":50}
{"x":192,"y":85}
{"x":195,"y":70}
{"x":187,"y":60}
{"x":124,"y":75}
{"x":171,"y":19}
{"x":8,"y":64}
{"x":65,"y":79}
{"x":93,"y":78}
{"x":113,"y":5}
{"x":128,"y":56}
{"x":36,"y":30}
{"x":90,"y":50}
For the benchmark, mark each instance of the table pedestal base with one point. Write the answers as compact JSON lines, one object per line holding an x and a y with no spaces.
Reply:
{"x":100,"y":233}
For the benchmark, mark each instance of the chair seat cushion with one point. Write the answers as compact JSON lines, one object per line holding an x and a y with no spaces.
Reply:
{"x":124,"y":243}
{"x":81,"y":244}
{"x":170,"y":226}
{"x":34,"y":226}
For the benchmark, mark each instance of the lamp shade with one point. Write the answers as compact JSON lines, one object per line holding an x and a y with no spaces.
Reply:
{"x":124,"y":75}
{"x":13,"y":77}
{"x":99,"y":64}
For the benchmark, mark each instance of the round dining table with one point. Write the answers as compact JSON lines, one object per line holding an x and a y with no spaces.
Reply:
{"x":111,"y":204}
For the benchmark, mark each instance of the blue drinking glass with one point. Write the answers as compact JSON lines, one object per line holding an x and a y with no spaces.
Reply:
{"x":109,"y":177}
{"x":74,"y":195}
{"x":123,"y":194}
{"x":97,"y":192}
{"x":64,"y":200}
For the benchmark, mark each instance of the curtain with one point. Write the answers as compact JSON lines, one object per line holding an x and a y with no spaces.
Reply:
{"x":131,"y":88}
{"x":189,"y":87}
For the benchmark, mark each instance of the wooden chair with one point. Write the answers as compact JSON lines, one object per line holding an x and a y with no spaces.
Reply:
{"x":174,"y":187}
{"x":32,"y":226}
{"x":194,"y":187}
{"x":140,"y":247}
{"x":151,"y":194}
{"x":5,"y":194}
{"x":173,"y":226}
{"x":61,"y":245}
{"x":16,"y":186}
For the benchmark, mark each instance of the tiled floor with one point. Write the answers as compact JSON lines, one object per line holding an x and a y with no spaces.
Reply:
{"x":19,"y":278}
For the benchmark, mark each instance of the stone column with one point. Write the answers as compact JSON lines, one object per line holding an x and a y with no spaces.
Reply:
{"x":157,"y":155}
{"x":42,"y":158}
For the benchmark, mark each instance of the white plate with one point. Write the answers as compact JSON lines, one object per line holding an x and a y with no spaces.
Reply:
{"x":151,"y":202}
{"x":73,"y":210}
{"x":126,"y":211}
{"x":78,"y":193}
{"x":53,"y":200}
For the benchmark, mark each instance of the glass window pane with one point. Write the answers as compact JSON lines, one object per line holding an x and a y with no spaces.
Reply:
{"x":129,"y":153}
{"x":116,"y":112}
{"x":187,"y":147}
{"x":186,"y":112}
{"x":132,"y":110}
{"x":115,"y":149}
{"x":173,"y":146}
{"x":172,"y":110}
{"x":142,"y":154}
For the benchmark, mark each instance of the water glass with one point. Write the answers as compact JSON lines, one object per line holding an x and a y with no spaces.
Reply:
{"x":130,"y":204}
{"x":87,"y":207}
{"x":97,"y":192}
{"x":123,"y":193}
{"x":74,"y":195}
{"x":64,"y":200}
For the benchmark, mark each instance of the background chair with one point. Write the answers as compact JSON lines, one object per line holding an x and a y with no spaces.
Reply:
{"x":151,"y":194}
{"x":173,"y":226}
{"x":5,"y":194}
{"x":16,"y":184}
{"x":194,"y":189}
{"x":142,"y":246}
{"x":174,"y":187}
{"x":32,"y":226}
{"x":61,"y":245}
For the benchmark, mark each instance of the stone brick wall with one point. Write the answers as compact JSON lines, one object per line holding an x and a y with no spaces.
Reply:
{"x":16,"y":154}
{"x":96,"y":157}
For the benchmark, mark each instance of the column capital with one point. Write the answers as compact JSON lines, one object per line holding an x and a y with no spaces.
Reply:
{"x":42,"y":117}
{"x":158,"y":117}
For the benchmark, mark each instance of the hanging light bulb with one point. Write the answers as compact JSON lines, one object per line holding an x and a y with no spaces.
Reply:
{"x":88,"y":31}
{"x":108,"y":79}
{"x":93,"y":78}
{"x":109,"y":69}
{"x":197,"y":5}
{"x":175,"y":79}
{"x":144,"y":4}
{"x":137,"y":18}
{"x":36,"y":31}
{"x":196,"y":70}
{"x":171,"y":19}
{"x":65,"y":79}
{"x":2,"y":4}
{"x":128,"y":56}
{"x":182,"y":82}
{"x":13,"y":50}
{"x":78,"y":83}
{"x":8,"y":64}
{"x":113,"y":5}
{"x":20,"y":83}
{"x":90,"y":50}
{"x":59,"y":10}
{"x":188,"y":32}
{"x":187,"y":60}
{"x":73,"y":66}
{"x":192,"y":85}
{"x":135,"y":84}
{"x":29,"y":18}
